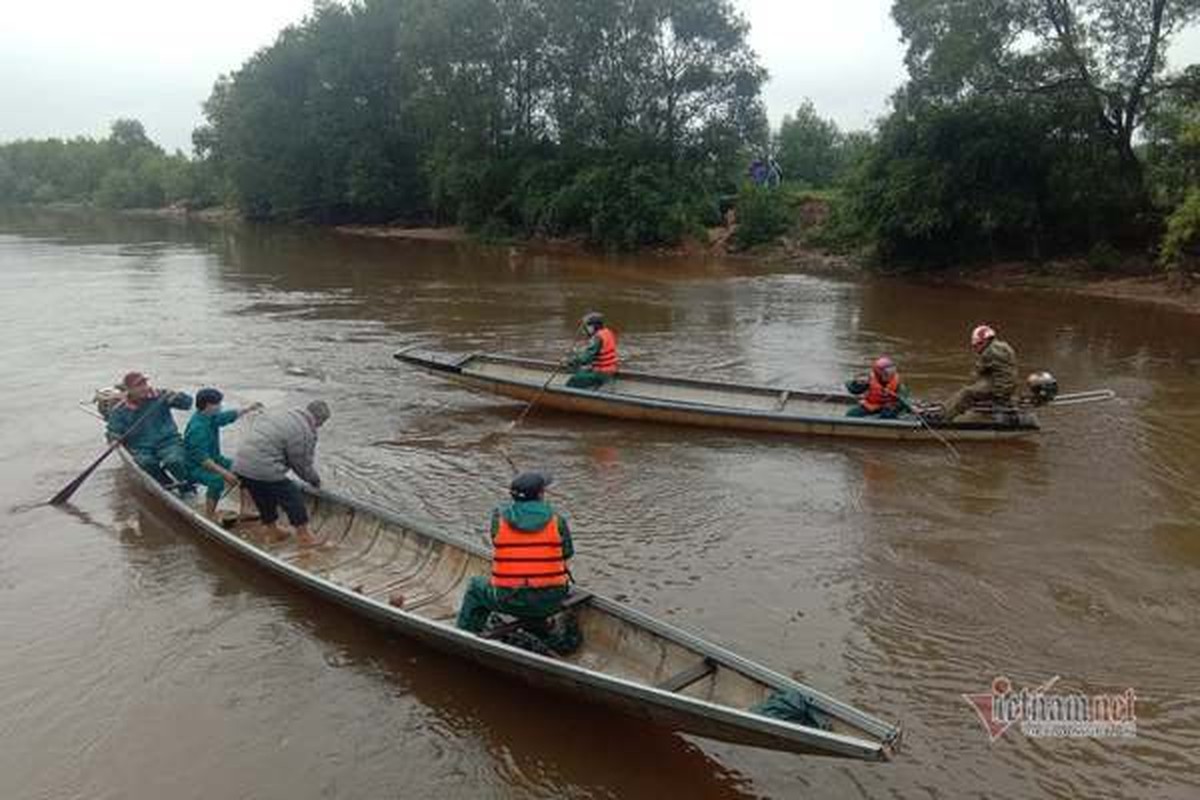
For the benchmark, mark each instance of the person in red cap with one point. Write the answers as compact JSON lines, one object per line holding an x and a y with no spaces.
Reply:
{"x":881,"y":394}
{"x":995,"y":378}
{"x":156,"y":444}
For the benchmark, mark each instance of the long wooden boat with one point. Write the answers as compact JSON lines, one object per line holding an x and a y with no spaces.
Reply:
{"x":712,"y":404}
{"x":628,"y":660}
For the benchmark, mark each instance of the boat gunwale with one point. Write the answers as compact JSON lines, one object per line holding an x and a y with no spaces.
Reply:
{"x":919,"y":430}
{"x":818,"y":742}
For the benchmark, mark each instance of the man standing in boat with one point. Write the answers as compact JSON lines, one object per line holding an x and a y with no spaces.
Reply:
{"x":881,"y":394}
{"x":531,"y":545}
{"x":156,"y":444}
{"x":202,"y":443}
{"x":282,"y":441}
{"x":995,"y":378}
{"x":596,"y":364}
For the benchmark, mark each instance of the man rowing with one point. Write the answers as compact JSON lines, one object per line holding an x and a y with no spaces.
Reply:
{"x":531,"y":545}
{"x":995,"y":377}
{"x":596,"y":364}
{"x":881,"y":393}
{"x":155,"y":442}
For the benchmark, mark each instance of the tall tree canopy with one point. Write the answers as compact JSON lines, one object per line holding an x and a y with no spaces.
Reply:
{"x":1107,"y":57}
{"x":1022,"y":130}
{"x":618,"y":119}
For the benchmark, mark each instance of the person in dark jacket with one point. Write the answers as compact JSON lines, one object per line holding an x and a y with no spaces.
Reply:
{"x":155,"y":443}
{"x":531,"y":547}
{"x":282,"y":441}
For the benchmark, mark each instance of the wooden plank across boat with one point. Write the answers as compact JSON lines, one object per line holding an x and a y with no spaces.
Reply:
{"x":712,"y":404}
{"x":628,"y":660}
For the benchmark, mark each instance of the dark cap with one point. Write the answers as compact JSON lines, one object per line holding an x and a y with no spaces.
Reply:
{"x":529,"y":485}
{"x":133,"y":379}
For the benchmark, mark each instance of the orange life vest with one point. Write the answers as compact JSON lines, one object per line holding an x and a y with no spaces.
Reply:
{"x":606,"y":359}
{"x":532,"y":559}
{"x":880,"y":396}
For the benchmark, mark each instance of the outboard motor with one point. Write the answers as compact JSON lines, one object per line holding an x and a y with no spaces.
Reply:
{"x":1043,"y":387}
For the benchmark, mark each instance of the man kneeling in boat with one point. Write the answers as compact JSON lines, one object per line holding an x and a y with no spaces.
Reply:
{"x":995,"y":375}
{"x":531,"y":546}
{"x":596,"y":364}
{"x":206,"y":464}
{"x":156,"y":444}
{"x":882,"y":393}
{"x":282,"y":440}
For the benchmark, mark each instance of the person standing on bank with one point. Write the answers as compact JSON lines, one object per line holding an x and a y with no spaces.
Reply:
{"x":282,"y":441}
{"x":596,"y":364}
{"x":206,"y":464}
{"x":531,"y":545}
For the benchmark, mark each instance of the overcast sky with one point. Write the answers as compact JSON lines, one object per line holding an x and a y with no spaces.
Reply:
{"x":70,"y":67}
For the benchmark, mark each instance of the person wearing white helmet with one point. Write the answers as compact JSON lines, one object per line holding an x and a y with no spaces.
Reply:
{"x":995,"y":378}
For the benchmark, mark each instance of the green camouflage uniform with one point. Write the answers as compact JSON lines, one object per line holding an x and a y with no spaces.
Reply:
{"x":995,"y":380}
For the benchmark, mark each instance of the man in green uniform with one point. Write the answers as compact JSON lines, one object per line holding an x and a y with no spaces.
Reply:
{"x":995,"y":375}
{"x":596,"y":364}
{"x":531,"y":546}
{"x":155,"y":444}
{"x":206,"y":464}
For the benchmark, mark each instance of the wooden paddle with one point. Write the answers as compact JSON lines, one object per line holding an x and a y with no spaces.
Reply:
{"x":65,"y":493}
{"x":512,"y":426}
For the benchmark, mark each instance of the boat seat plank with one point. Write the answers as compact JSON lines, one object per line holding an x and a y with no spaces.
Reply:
{"x":513,"y":623}
{"x":685,"y":678}
{"x":784,"y":396}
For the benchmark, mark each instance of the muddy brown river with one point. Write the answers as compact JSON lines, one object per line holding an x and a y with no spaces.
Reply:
{"x":136,"y":662}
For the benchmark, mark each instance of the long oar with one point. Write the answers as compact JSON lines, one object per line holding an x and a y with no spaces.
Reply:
{"x":512,"y":426}
{"x":65,"y":493}
{"x":920,"y":418}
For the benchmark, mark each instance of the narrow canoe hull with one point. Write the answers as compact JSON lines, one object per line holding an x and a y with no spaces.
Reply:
{"x":709,"y":404}
{"x":856,"y":735}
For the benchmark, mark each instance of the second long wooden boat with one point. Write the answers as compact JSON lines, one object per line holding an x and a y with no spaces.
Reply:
{"x":706,"y":403}
{"x":628,"y":660}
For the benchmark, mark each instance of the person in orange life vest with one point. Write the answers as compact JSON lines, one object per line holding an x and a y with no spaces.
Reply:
{"x":881,"y":393}
{"x":531,"y":545}
{"x":596,"y":364}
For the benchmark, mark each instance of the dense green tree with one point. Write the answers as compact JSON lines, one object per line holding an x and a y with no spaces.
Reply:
{"x":808,"y":147}
{"x":517,"y":116}
{"x":1106,"y":56}
{"x":124,"y":170}
{"x":1017,"y":131}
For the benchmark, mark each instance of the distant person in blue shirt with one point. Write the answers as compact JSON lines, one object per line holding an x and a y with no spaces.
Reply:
{"x":206,"y":464}
{"x":155,"y":442}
